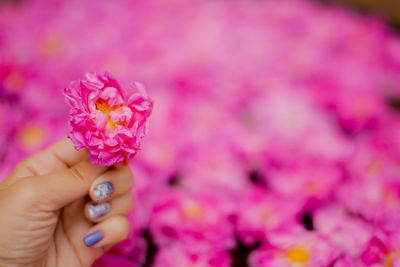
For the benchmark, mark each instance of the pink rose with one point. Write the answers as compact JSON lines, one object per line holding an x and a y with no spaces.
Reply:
{"x":106,"y":119}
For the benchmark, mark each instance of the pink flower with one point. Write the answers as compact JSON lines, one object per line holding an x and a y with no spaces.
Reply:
{"x":177,"y":255}
{"x":378,"y":252}
{"x":133,"y":248}
{"x":259,"y":213}
{"x":106,"y":119}
{"x":346,"y":232}
{"x":294,"y":246}
{"x":192,"y":218}
{"x":347,"y":261}
{"x":114,"y":260}
{"x":307,"y":179}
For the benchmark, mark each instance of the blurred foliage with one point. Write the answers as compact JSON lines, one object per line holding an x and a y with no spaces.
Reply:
{"x":388,"y":9}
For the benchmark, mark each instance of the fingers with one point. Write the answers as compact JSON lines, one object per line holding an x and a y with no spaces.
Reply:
{"x":113,"y":183}
{"x":59,"y":156}
{"x":107,"y":232}
{"x":111,"y":202}
{"x":61,"y":188}
{"x":96,"y":212}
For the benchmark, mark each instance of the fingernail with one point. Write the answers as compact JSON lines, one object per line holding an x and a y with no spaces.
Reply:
{"x":88,"y":157}
{"x":97,"y":210}
{"x":93,"y":238}
{"x":103,"y":191}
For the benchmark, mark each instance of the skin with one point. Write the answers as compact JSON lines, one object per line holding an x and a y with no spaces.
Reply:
{"x":43,"y":217}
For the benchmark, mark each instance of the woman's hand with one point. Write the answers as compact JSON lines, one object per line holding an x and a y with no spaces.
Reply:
{"x":47,"y":217}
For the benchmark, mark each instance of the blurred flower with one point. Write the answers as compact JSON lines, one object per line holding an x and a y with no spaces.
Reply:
{"x":260,"y":212}
{"x":276,"y":124}
{"x":347,"y":232}
{"x":114,"y":260}
{"x":193,"y":219}
{"x":377,"y":252}
{"x":181,"y":256}
{"x":295,"y":247}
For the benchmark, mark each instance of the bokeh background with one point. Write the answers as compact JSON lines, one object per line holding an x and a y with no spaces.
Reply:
{"x":275,"y":137}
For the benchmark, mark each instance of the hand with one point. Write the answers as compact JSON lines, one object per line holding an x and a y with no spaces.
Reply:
{"x":46,"y":217}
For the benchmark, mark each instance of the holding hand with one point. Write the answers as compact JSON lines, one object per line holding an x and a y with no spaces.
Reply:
{"x":46,"y":216}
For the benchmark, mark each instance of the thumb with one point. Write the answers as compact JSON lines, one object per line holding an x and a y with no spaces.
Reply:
{"x":58,"y":189}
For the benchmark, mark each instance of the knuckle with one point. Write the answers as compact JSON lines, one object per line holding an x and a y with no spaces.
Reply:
{"x":125,"y":177}
{"x":126,"y":172}
{"x":125,"y":229}
{"x":78,"y":173}
{"x":29,"y":165}
{"x":129,"y":183}
{"x":128,"y":180}
{"x":129,"y":203}
{"x":123,"y":226}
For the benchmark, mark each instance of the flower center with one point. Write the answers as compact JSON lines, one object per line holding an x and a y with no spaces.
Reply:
{"x":374,"y":167}
{"x":298,"y":255}
{"x":193,"y":211}
{"x":51,"y":45}
{"x":102,"y":106}
{"x":389,"y":258}
{"x":31,"y":137}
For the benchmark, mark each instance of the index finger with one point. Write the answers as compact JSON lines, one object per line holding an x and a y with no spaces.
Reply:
{"x":61,"y":155}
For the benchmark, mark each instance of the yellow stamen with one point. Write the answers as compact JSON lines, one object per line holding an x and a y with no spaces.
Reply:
{"x":374,"y":167}
{"x":389,"y":258}
{"x":298,"y":255}
{"x":106,"y":109}
{"x":51,"y":45}
{"x":193,"y":211}
{"x":31,"y":136}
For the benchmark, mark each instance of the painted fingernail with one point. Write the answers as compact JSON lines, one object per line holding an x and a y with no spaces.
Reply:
{"x":88,"y":157}
{"x":97,"y":210}
{"x":103,"y":191}
{"x":93,"y":238}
